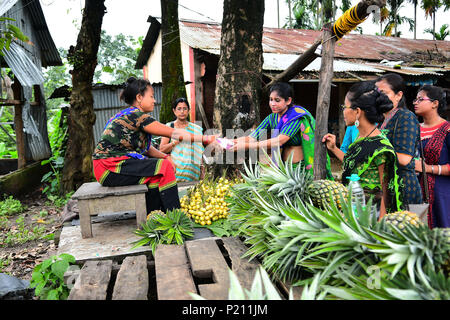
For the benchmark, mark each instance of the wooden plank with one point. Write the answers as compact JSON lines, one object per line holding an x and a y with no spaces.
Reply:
{"x":85,"y":219}
{"x":92,"y":284}
{"x":112,"y":204}
{"x":18,"y":126}
{"x":244,"y":269}
{"x":91,"y":190}
{"x":132,"y":279}
{"x":141,"y":209}
{"x":173,"y":276}
{"x":208,"y":262}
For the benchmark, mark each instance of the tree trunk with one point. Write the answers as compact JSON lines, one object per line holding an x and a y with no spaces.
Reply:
{"x":323,"y":102}
{"x":415,"y":19}
{"x":238,"y":86}
{"x":434,"y":25}
{"x":78,"y":159}
{"x":173,"y":85}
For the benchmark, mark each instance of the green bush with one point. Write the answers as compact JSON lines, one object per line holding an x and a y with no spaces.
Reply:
{"x":48,"y":277}
{"x":11,"y":206}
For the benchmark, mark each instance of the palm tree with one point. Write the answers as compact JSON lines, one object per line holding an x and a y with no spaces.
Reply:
{"x":395,"y":19}
{"x":430,"y":7}
{"x":306,"y":15}
{"x":443,"y":32}
{"x":302,"y":16}
{"x":415,"y":3}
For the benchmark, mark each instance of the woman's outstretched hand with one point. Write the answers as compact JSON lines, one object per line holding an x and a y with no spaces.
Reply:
{"x":330,"y":140}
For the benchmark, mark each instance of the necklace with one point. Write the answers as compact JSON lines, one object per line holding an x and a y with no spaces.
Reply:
{"x":371,"y":132}
{"x":181,"y":125}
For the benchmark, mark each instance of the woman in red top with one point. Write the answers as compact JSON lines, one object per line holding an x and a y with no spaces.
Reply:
{"x":430,"y":104}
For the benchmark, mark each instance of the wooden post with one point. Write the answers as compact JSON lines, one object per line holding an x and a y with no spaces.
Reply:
{"x":18,"y":125}
{"x":199,"y":89}
{"x":323,"y":102}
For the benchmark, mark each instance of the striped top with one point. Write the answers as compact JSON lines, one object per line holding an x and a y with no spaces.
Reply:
{"x":270,"y":122}
{"x":187,"y":156}
{"x":427,"y":133}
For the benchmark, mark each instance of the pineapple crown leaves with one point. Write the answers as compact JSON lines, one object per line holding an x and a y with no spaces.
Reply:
{"x":411,"y":248}
{"x":277,"y":176}
{"x":262,"y":288}
{"x":165,"y":228}
{"x":435,"y":287}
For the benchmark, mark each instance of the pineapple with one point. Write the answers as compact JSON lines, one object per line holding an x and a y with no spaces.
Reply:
{"x":319,"y":191}
{"x":400,"y":218}
{"x":151,"y":214}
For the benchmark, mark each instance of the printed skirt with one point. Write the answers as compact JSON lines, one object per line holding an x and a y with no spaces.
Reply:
{"x":157,"y":174}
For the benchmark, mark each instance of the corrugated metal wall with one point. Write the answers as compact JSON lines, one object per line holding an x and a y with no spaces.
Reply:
{"x":107,"y":104}
{"x":34,"y":117}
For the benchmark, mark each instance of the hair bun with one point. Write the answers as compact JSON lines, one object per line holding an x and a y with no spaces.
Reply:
{"x":131,"y":80}
{"x":383,"y":103}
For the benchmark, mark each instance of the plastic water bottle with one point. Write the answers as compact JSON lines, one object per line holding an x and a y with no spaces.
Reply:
{"x":356,"y":192}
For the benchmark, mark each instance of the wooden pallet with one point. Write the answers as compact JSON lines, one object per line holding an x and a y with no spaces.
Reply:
{"x":198,"y":266}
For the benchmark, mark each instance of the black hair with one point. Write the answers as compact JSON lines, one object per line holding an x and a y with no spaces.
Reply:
{"x":284,"y":90}
{"x":132,"y":88}
{"x":364,"y":95}
{"x":437,"y":94}
{"x":180,"y":100}
{"x":396,"y":84}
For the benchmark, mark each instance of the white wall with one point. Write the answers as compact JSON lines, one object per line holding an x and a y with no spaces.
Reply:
{"x":155,"y":68}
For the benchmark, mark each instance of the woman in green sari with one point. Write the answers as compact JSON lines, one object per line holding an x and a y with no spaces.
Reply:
{"x":291,"y":129}
{"x":371,"y":156}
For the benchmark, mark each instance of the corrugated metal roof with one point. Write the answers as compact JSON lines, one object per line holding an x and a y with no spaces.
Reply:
{"x":410,"y":71}
{"x":22,"y":66}
{"x":296,"y":41}
{"x":48,"y":53}
{"x":281,"y":61}
{"x":5,"y":5}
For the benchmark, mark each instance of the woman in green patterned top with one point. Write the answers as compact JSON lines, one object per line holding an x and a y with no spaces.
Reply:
{"x":371,"y":156}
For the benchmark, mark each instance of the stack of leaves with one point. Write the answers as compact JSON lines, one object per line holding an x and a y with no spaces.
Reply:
{"x":169,"y":228}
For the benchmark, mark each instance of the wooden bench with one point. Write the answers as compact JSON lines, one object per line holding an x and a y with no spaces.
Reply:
{"x":94,"y":199}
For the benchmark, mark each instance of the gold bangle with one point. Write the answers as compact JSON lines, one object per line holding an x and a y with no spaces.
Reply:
{"x":439,"y":167}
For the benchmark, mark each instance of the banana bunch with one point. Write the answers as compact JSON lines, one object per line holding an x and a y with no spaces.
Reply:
{"x":205,"y":202}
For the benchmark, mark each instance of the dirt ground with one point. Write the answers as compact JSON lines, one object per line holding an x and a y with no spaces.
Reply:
{"x":42,"y":218}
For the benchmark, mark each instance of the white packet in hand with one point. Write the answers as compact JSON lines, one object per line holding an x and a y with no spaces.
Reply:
{"x":225,"y":143}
